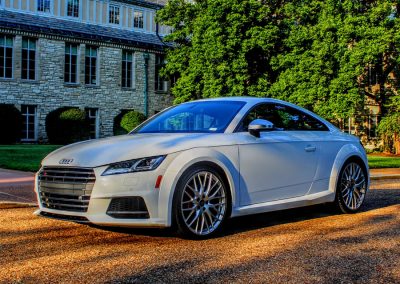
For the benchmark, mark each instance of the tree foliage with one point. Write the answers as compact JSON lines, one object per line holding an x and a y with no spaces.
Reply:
{"x":314,"y":53}
{"x":127,"y":120}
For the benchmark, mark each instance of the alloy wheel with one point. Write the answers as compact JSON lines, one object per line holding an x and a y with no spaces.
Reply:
{"x":353,"y":186}
{"x":203,"y":203}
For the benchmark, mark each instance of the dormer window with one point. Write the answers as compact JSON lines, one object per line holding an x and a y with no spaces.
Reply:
{"x":138,"y":19}
{"x":73,"y":8}
{"x":113,"y":15}
{"x":43,"y":6}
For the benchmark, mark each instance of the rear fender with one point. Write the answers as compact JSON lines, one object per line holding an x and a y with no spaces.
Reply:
{"x":345,"y":153}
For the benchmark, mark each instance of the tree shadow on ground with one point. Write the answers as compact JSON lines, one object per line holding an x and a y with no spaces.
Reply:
{"x":375,"y":199}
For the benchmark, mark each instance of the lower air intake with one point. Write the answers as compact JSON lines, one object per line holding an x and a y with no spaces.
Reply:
{"x":128,"y":208}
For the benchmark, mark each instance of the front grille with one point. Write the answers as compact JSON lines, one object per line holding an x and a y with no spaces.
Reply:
{"x":128,"y":208}
{"x":66,"y":188}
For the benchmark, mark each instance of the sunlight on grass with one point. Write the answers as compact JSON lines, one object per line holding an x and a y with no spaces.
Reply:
{"x":24,"y":157}
{"x":376,"y":162}
{"x":28,"y":157}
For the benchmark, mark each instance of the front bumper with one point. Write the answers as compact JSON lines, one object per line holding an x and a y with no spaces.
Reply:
{"x":107,"y":188}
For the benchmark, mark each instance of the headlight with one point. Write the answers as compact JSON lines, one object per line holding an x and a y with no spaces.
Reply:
{"x":137,"y":165}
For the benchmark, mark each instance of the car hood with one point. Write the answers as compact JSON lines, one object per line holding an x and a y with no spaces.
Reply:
{"x":94,"y":153}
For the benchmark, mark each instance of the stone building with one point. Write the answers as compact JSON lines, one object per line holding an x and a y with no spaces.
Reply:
{"x":99,"y":55}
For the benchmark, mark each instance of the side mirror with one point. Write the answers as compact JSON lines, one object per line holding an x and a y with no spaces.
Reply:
{"x":258,"y":125}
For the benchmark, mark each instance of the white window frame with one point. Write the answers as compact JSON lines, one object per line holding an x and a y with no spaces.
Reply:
{"x":114,"y":6}
{"x":77,"y":64}
{"x":97,"y":121}
{"x":36,"y":58}
{"x":97,"y":65}
{"x":12,"y":59}
{"x":51,"y":2}
{"x":159,"y":82}
{"x":143,"y":22}
{"x":79,"y":10}
{"x":26,"y":116}
{"x":133,"y":70}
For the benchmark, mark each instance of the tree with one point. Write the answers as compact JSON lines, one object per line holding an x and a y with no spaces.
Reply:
{"x":222,"y":47}
{"x":317,"y":54}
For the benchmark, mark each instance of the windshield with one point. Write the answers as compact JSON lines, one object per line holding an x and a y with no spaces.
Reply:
{"x":195,"y":117}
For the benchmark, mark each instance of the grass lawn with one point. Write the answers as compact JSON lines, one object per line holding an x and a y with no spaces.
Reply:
{"x":24,"y":157}
{"x":28,"y":157}
{"x":381,"y":161}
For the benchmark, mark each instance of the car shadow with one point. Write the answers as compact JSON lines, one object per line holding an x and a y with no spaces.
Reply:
{"x":375,"y":199}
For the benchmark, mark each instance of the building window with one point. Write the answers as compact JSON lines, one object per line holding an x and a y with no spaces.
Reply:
{"x":138,"y":19}
{"x":29,"y":118}
{"x":373,"y":76}
{"x":71,"y":66}
{"x":6,"y":56}
{"x":113,"y":14}
{"x":160,"y":82}
{"x":91,"y":65}
{"x":43,"y":6}
{"x":73,"y":8}
{"x":28,"y":59}
{"x":93,"y":116}
{"x":127,"y":69}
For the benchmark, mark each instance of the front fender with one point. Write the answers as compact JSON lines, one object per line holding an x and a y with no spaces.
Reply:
{"x":347,"y":151}
{"x":185,"y":160}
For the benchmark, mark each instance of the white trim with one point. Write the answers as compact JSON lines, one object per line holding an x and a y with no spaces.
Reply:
{"x":95,"y":11}
{"x":125,"y":24}
{"x":101,"y":12}
{"x":87,"y":10}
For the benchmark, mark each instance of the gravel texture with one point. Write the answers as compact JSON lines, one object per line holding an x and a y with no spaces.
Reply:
{"x":311,"y":245}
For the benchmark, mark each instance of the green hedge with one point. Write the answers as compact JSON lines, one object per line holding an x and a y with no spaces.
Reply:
{"x":10,"y":124}
{"x":67,"y":125}
{"x":126,"y":121}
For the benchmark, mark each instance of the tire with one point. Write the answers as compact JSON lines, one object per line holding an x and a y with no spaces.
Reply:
{"x":201,"y":203}
{"x":351,"y":187}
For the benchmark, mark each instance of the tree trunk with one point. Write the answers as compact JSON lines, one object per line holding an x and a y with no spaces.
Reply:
{"x":396,"y":144}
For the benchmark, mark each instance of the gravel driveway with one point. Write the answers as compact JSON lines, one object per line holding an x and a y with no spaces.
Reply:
{"x":311,"y":245}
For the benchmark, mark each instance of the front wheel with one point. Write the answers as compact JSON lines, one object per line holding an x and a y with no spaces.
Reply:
{"x":351,"y":188}
{"x":201,"y":203}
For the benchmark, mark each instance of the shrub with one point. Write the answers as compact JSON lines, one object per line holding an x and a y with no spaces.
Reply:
{"x":389,"y":130}
{"x":10,"y":124}
{"x":67,"y":125}
{"x":126,"y":121}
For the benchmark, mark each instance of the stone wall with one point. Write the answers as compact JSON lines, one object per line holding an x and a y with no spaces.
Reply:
{"x":49,"y":92}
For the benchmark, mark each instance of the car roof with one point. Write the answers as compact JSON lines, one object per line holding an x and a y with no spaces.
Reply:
{"x":243,"y":99}
{"x":252,"y":101}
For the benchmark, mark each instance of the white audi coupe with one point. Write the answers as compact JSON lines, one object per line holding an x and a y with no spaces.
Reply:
{"x":198,"y":163}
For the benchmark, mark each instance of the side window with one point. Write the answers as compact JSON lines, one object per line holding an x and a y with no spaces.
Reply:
{"x":284,"y":118}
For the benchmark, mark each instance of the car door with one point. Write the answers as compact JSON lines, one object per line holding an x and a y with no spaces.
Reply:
{"x":281,"y":163}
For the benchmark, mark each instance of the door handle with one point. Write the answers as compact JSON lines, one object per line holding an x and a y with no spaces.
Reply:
{"x":310,"y":148}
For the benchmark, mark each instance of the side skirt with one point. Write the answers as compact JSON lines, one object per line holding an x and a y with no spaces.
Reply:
{"x":302,"y":201}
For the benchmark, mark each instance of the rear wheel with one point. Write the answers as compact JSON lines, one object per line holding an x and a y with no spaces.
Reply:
{"x":201,"y":203}
{"x":351,"y":188}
